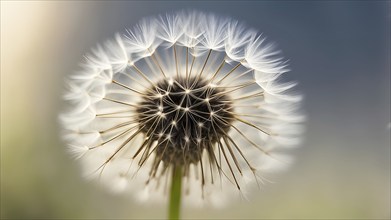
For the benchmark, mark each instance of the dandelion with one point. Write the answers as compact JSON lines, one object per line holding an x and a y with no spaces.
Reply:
{"x":186,"y":103}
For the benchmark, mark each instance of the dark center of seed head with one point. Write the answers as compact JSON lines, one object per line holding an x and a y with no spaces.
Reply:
{"x":184,"y":117}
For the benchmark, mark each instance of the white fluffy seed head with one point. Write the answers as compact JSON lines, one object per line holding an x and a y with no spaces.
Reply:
{"x":182,"y":89}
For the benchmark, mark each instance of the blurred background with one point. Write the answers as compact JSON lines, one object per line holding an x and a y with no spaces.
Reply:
{"x":339,"y":53}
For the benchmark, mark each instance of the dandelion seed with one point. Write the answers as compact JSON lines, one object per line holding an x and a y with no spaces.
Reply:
{"x":191,"y":93}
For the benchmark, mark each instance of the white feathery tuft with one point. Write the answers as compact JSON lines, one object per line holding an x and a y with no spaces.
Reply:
{"x":98,"y":58}
{"x":193,"y":23}
{"x":117,"y":53}
{"x":215,"y":33}
{"x":77,"y":151}
{"x":263,"y":56}
{"x":171,"y":28}
{"x":237,"y":39}
{"x":142,"y":39}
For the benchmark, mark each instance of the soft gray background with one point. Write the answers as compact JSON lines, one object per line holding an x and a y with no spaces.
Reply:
{"x":339,"y":53}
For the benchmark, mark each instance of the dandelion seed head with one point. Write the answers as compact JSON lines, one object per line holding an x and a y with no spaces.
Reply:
{"x":187,"y":89}
{"x":183,"y":125}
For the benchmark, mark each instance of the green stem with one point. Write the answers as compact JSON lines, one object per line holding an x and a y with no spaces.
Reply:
{"x":175,"y":194}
